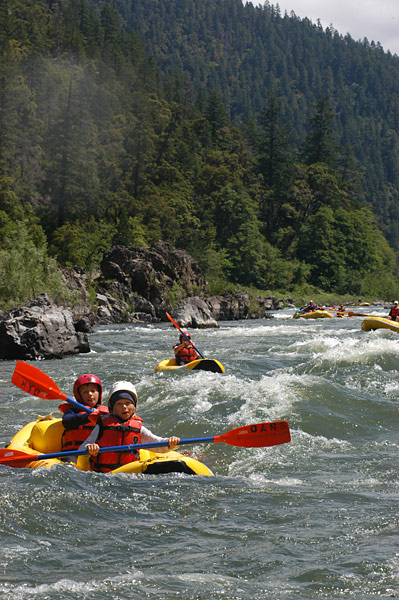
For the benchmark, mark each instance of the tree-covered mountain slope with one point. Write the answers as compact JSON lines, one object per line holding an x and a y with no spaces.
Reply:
{"x":124,"y":123}
{"x":243,"y":52}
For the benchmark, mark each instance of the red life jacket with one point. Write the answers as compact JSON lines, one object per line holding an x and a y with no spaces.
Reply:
{"x":72,"y":438}
{"x":394,"y":312}
{"x":115,"y":432}
{"x":187,"y":354}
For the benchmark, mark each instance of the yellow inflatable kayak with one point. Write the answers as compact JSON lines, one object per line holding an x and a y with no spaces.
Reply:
{"x":201,"y":364}
{"x":315,"y":314}
{"x":371,"y":323}
{"x":43,"y":436}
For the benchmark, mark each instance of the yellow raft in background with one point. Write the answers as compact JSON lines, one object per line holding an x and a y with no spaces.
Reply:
{"x":314,"y":314}
{"x":43,"y":436}
{"x":371,"y":323}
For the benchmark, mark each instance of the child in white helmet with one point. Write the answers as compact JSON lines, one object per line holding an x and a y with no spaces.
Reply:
{"x":120,"y":428}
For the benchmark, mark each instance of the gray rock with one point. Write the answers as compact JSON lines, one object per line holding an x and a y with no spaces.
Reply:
{"x":138,"y":284}
{"x":40,"y":330}
{"x":229,"y":307}
{"x":78,"y":282}
{"x":194,"y":313}
{"x":145,"y":278}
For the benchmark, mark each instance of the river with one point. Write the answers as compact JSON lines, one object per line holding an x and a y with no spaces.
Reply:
{"x":315,"y":518}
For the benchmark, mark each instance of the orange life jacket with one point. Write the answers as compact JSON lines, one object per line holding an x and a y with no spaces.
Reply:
{"x":187,"y":354}
{"x":71,"y":439}
{"x":115,"y":432}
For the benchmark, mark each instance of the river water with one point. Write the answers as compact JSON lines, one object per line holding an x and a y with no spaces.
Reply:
{"x":316,"y":518}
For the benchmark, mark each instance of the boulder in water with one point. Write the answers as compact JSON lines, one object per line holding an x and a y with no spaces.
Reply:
{"x":40,"y":330}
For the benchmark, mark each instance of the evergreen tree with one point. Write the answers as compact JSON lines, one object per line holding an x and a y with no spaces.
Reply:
{"x":319,"y":144}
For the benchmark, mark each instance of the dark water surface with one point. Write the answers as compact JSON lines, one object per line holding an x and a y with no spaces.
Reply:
{"x":316,"y":518}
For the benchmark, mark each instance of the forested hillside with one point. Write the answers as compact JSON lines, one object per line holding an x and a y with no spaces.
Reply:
{"x":243,"y":52}
{"x":102,"y":144}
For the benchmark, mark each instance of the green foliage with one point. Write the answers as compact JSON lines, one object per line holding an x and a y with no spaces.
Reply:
{"x":82,"y":244}
{"x":248,"y":53}
{"x":25,"y":268}
{"x":254,"y":309}
{"x":131,"y":232}
{"x":173,"y":297}
{"x":343,"y":248}
{"x":101,"y":144}
{"x":319,"y":146}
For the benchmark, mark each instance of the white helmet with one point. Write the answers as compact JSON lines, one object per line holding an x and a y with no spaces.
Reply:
{"x":122,"y":389}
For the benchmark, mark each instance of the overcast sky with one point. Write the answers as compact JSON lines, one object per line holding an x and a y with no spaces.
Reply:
{"x":376,"y":20}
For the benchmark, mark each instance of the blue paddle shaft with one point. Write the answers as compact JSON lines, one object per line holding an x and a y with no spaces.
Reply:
{"x":182,"y":332}
{"x":195,"y":347}
{"x":78,"y":405}
{"x":128,"y":448}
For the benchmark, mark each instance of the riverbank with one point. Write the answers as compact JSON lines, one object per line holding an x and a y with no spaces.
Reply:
{"x":137,"y":284}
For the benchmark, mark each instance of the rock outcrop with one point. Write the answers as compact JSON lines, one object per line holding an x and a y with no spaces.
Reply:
{"x":137,"y":283}
{"x":230,"y":307}
{"x":78,"y":283}
{"x":194,"y":313}
{"x":133,"y":284}
{"x":40,"y":330}
{"x":141,"y":284}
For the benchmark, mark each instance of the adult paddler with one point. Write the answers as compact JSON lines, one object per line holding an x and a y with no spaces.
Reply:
{"x":394,"y":312}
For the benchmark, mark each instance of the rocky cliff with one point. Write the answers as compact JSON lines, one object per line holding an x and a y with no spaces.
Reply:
{"x":133,"y":284}
{"x":142,"y":284}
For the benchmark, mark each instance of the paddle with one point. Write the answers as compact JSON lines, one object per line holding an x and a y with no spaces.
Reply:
{"x":182,"y":332}
{"x":258,"y":435}
{"x":354,"y":314}
{"x":33,"y":381}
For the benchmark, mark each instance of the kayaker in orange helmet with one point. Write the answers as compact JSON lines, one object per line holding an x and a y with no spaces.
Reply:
{"x":185,"y":351}
{"x":394,"y":312}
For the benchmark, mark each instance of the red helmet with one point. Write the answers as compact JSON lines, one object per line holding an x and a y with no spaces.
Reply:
{"x":184,"y":337}
{"x":87,"y":378}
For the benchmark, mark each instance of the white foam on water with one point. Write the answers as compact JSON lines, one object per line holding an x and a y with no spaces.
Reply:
{"x":72,"y":588}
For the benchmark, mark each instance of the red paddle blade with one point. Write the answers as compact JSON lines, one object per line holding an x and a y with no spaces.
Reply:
{"x":15,"y":458}
{"x":174,"y":322}
{"x":33,"y":381}
{"x":257,"y":435}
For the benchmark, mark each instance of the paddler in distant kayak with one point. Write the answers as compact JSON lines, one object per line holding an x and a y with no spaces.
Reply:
{"x":341,"y":311}
{"x":185,"y":351}
{"x":394,"y":312}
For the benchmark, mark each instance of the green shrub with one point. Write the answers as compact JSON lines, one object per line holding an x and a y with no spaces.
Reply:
{"x":26,"y":270}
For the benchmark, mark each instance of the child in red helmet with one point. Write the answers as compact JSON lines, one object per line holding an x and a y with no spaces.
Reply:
{"x":87,"y":390}
{"x":185,"y":351}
